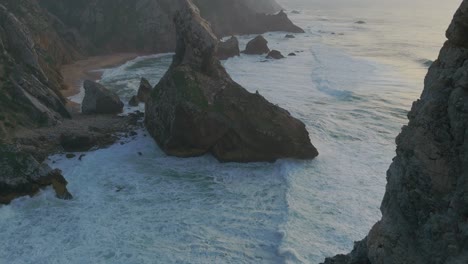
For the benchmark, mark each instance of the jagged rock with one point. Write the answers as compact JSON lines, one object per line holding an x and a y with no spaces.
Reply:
{"x":21,"y":175}
{"x":289,"y":36}
{"x":99,"y":100}
{"x":134,"y":101}
{"x":144,"y":90}
{"x":197,"y":108}
{"x":28,"y":97}
{"x":228,"y":49}
{"x":425,"y":207}
{"x":274,"y":54}
{"x":257,"y":46}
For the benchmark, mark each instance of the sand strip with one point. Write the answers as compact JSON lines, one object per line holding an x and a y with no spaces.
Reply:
{"x":88,"y":69}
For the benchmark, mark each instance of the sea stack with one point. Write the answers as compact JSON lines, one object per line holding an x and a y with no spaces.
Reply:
{"x":425,"y":208}
{"x":197,"y":108}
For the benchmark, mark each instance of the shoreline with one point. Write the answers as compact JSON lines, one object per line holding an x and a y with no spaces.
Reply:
{"x":89,"y":69}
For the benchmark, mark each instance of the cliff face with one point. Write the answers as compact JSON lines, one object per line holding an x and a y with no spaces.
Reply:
{"x":197,"y":108}
{"x":425,"y":208}
{"x":30,"y":54}
{"x":146,"y":25}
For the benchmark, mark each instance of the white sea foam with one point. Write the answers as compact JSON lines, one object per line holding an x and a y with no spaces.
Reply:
{"x":157,"y":209}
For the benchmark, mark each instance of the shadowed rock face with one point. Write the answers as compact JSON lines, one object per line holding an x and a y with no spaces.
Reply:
{"x":21,"y":174}
{"x":258,"y":46}
{"x":197,"y":108}
{"x":29,"y":88}
{"x":146,"y":25}
{"x":144,"y":91}
{"x":99,"y":100}
{"x":228,"y":48}
{"x":425,"y":208}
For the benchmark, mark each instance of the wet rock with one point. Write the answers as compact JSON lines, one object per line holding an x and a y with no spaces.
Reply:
{"x":360,"y":22}
{"x":197,"y":108}
{"x":22,"y":175}
{"x":228,"y":49}
{"x":77,"y":142}
{"x":292,"y":54}
{"x":289,"y":36}
{"x":257,"y":46}
{"x":70,"y":156}
{"x":274,"y":54}
{"x":99,"y":100}
{"x":144,"y":90}
{"x":134,"y":101}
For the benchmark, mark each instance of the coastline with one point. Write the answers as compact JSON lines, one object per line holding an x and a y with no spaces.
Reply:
{"x":89,"y":69}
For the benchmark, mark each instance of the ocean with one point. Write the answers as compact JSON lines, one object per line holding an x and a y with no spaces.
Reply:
{"x":352,"y":84}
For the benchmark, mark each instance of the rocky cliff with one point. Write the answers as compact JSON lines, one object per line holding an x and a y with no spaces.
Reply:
{"x":146,"y":25}
{"x":30,"y":55}
{"x":197,"y":108}
{"x":425,"y":208}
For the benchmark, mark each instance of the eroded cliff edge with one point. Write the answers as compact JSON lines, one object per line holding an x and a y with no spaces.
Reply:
{"x":425,"y":208}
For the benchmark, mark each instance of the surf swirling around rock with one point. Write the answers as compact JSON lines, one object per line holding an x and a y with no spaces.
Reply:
{"x":197,"y":108}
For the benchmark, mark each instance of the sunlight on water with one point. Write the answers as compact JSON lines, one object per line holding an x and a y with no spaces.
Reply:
{"x":352,"y":89}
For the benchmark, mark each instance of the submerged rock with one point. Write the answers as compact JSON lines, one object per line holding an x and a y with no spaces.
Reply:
{"x":257,"y":46}
{"x":289,"y":36}
{"x":197,"y":108}
{"x":99,"y":100}
{"x":21,"y":175}
{"x":144,"y":90}
{"x":228,"y":48}
{"x":292,"y":54}
{"x":274,"y":54}
{"x":425,"y":207}
{"x":360,"y":22}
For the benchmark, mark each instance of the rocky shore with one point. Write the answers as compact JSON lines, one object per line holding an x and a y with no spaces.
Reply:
{"x":425,"y":208}
{"x":37,"y":38}
{"x":197,"y":108}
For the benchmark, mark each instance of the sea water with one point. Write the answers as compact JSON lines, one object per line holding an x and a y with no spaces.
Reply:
{"x":351,"y":84}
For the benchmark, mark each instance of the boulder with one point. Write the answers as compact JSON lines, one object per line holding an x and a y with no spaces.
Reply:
{"x":134,"y":101}
{"x":257,"y":46}
{"x":292,"y":54}
{"x":21,"y":175}
{"x":197,"y":108}
{"x":274,"y":54}
{"x":289,"y":36}
{"x":228,"y":49}
{"x":99,"y":100}
{"x":144,"y":90}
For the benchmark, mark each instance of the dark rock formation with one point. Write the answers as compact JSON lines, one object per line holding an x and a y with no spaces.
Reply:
{"x":292,"y":54}
{"x":360,"y":22}
{"x":144,"y":91}
{"x":21,"y":174}
{"x":425,"y":208}
{"x":257,"y":46}
{"x":28,"y":95}
{"x":228,"y":48}
{"x":99,"y":100}
{"x":134,"y":101}
{"x":146,"y":25}
{"x":289,"y":36}
{"x":274,"y":54}
{"x":197,"y":108}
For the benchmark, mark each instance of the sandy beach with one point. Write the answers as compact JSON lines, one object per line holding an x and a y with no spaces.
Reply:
{"x":74,"y":74}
